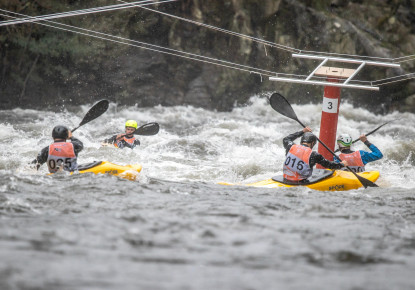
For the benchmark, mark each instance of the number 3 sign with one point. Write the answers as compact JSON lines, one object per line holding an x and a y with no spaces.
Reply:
{"x":330,"y":105}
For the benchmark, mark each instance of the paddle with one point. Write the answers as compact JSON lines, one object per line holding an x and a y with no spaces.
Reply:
{"x":97,"y":110}
{"x":371,"y":132}
{"x":281,"y":105}
{"x":148,"y":129}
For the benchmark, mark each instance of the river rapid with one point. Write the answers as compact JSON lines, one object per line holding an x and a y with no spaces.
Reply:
{"x":177,"y":228}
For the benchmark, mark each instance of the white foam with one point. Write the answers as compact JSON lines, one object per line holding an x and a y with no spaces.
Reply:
{"x":194,"y":144}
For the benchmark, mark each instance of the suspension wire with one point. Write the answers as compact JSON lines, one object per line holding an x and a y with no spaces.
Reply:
{"x":262,"y":41}
{"x":151,"y":2}
{"x":405,"y":58}
{"x":151,"y":47}
{"x":81,"y":12}
{"x":320,"y":78}
{"x":272,"y":44}
{"x":363,"y":57}
{"x":187,"y":55}
{"x":174,"y":52}
{"x":69,"y":13}
{"x":394,"y":79}
{"x":397,"y":81}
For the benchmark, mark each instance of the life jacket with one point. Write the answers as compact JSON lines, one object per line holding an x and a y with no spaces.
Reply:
{"x":125,"y":141}
{"x":354,"y":161}
{"x":297,"y":163}
{"x":62,"y":155}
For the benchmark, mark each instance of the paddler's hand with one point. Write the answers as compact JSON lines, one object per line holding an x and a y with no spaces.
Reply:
{"x":69,"y":134}
{"x":33,"y":166}
{"x":306,"y":129}
{"x":345,"y":163}
{"x":120,"y":136}
{"x":363,"y":138}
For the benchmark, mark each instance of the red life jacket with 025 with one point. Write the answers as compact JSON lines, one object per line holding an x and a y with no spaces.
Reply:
{"x":354,"y":161}
{"x":62,"y":155}
{"x":297,"y":163}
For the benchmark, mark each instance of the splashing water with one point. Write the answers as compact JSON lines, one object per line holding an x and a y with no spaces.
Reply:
{"x":178,"y":225}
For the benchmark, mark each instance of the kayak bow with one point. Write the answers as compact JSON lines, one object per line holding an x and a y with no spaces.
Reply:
{"x":129,"y":172}
{"x":322,"y":179}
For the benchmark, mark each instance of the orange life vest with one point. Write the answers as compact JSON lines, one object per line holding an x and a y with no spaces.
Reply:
{"x":354,"y":161}
{"x":130,"y":141}
{"x":61,"y":155}
{"x":297,"y":163}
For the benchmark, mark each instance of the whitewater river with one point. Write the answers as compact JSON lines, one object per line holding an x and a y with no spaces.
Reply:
{"x":176,"y":228}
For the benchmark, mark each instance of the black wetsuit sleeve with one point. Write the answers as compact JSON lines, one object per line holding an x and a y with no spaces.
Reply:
{"x":137,"y":142}
{"x":289,"y":140}
{"x":111,"y":140}
{"x":317,"y":158}
{"x":42,"y":157}
{"x":77,"y":145}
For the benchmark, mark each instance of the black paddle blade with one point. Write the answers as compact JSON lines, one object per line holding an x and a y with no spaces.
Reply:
{"x":281,"y":105}
{"x":366,"y":182}
{"x":97,"y":110}
{"x":148,"y":129}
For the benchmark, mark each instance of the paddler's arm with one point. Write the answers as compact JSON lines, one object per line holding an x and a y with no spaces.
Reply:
{"x":111,"y":140}
{"x":77,"y":144}
{"x":42,"y":157}
{"x":369,"y":156}
{"x":316,"y":157}
{"x":289,"y":140}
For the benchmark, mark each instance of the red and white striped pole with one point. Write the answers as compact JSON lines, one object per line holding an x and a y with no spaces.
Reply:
{"x":329,"y":119}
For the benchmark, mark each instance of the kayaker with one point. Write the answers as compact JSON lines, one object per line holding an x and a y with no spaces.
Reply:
{"x":127,"y":139}
{"x":300,"y":159}
{"x":357,"y":159}
{"x":60,"y":155}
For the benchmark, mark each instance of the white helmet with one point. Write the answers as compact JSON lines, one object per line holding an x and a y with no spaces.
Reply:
{"x":344,"y":140}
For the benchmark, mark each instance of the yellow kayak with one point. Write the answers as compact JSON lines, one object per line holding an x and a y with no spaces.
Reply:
{"x":104,"y":167}
{"x":129,"y":172}
{"x":322,"y":179}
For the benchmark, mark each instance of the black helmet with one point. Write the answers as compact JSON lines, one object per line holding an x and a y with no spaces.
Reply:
{"x":60,"y":132}
{"x":308,"y":137}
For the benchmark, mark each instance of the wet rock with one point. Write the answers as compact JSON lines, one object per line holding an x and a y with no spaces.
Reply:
{"x":49,"y":68}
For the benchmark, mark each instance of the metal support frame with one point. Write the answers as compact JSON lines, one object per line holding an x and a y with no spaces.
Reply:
{"x":348,"y":79}
{"x":355,"y":72}
{"x":347,"y":60}
{"x":342,"y":85}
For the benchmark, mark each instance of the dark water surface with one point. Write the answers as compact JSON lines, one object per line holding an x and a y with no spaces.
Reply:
{"x":178,"y":229}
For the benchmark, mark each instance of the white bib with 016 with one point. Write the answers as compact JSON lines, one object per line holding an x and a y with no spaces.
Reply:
{"x":330,"y":105}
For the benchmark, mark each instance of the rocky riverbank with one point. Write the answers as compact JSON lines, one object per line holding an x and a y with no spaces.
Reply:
{"x":43,"y":67}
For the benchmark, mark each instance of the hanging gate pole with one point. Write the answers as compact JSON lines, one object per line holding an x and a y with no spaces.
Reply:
{"x":329,"y":119}
{"x":335,"y":79}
